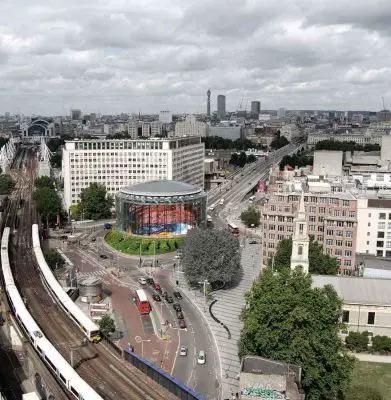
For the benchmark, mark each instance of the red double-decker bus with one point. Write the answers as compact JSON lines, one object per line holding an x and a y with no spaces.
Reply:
{"x":233,"y":229}
{"x":142,"y":302}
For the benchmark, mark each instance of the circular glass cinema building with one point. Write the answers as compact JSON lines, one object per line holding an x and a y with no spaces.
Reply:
{"x":160,"y":208}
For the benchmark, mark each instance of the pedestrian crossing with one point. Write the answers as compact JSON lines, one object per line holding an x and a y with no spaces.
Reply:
{"x":100,"y":272}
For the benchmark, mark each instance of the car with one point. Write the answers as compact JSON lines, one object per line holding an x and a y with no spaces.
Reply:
{"x":142,"y":281}
{"x":93,"y":239}
{"x":150,"y":281}
{"x":169,"y":299}
{"x":183,"y":351}
{"x":165,"y":294}
{"x":177,"y":257}
{"x":179,"y":315}
{"x":182,"y":324}
{"x":103,"y":256}
{"x":156,"y":297}
{"x":177,"y":295}
{"x":201,"y":357}
{"x":253,"y":241}
{"x":177,"y":307}
{"x":157,"y":287}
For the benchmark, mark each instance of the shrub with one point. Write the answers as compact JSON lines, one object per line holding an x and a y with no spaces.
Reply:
{"x":357,"y":341}
{"x":381,"y":344}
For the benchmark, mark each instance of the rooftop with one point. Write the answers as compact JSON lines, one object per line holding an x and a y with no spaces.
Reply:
{"x":357,"y":290}
{"x":162,"y":188}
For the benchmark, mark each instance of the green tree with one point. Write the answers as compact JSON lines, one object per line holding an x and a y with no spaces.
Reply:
{"x":55,"y":143}
{"x":381,"y":344}
{"x":278,"y":142}
{"x":345,"y":146}
{"x":251,"y":217}
{"x":44,"y":181}
{"x":234,"y":159}
{"x":362,"y":392}
{"x":54,"y":259}
{"x":56,"y":160}
{"x":106,"y":325}
{"x":319,"y":263}
{"x":48,"y":203}
{"x":288,"y":320}
{"x":95,"y":203}
{"x":296,"y":160}
{"x":251,"y":158}
{"x":242,"y":159}
{"x":6,"y":184}
{"x":210,"y":254}
{"x":357,"y":341}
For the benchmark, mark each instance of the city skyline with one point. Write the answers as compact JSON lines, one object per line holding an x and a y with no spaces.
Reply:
{"x":117,"y":57}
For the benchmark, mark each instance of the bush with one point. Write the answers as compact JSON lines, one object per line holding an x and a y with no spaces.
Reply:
{"x":381,"y":344}
{"x":149,"y":246}
{"x":357,"y":341}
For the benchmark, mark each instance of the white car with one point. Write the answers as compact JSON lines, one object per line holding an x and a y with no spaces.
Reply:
{"x":183,"y":351}
{"x":201,"y":357}
{"x":142,"y":281}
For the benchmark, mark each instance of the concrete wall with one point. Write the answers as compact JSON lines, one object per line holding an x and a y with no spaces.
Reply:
{"x":385,"y":153}
{"x":328,"y":163}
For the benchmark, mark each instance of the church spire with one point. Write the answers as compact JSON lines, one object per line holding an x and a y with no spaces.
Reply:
{"x":300,"y":239}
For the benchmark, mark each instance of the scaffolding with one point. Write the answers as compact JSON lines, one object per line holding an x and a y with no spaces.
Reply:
{"x":7,"y":154}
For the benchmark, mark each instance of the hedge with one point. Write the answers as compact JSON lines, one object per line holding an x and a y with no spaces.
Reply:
{"x":131,"y":244}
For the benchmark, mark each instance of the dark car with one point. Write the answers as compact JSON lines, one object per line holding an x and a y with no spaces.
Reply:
{"x":177,"y":307}
{"x":253,"y":241}
{"x":169,"y":299}
{"x":182,"y":324}
{"x":103,"y":256}
{"x":177,"y":295}
{"x":179,"y":315}
{"x":150,"y":281}
{"x":93,"y":239}
{"x":165,"y":294}
{"x":156,"y":297}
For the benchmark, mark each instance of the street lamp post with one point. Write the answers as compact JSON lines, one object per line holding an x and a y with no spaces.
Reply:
{"x":204,"y":283}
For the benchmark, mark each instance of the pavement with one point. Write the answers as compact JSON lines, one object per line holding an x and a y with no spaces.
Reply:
{"x":372,"y":358}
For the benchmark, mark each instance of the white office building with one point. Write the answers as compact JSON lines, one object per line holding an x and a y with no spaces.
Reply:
{"x":165,"y":117}
{"x":190,"y":127}
{"x":117,"y":163}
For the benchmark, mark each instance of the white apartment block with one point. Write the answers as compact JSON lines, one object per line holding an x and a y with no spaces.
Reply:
{"x":190,"y":127}
{"x":117,"y":163}
{"x":165,"y":117}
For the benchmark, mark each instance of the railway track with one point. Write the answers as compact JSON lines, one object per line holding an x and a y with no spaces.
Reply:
{"x":109,"y":376}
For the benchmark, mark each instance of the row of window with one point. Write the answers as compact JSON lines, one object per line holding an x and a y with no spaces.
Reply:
{"x":119,"y":145}
{"x":370,"y":317}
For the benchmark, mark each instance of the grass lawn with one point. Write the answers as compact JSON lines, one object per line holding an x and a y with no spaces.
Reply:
{"x":137,"y":245}
{"x":373,"y":375}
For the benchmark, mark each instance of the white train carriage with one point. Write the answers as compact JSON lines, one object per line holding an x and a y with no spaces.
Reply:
{"x":88,"y":327}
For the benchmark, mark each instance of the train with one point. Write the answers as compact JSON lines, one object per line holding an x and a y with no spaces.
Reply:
{"x":49,"y":354}
{"x":86,"y":325}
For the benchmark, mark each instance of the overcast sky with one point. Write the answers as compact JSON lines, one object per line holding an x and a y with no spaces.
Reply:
{"x":113,"y":56}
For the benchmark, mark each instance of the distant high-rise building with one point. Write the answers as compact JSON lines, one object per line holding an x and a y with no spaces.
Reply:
{"x":384,"y":115}
{"x":165,"y":117}
{"x":281,"y":113}
{"x":255,"y":107}
{"x":190,"y":127}
{"x":75,"y":115}
{"x":220,"y":106}
{"x":208,"y":103}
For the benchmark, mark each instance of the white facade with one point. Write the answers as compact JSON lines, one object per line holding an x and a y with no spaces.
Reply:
{"x":165,"y":117}
{"x":156,"y":128}
{"x":374,"y":226}
{"x":119,"y":163}
{"x":328,"y":163}
{"x":190,"y":127}
{"x":290,"y":131}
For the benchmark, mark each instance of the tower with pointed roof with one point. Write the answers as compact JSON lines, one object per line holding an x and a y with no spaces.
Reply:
{"x":300,"y":240}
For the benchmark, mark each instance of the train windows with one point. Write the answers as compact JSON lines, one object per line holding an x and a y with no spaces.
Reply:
{"x":74,"y":392}
{"x":63,"y":379}
{"x":50,"y":363}
{"x":39,"y":349}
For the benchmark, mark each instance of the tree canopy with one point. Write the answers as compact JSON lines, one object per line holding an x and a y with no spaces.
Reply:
{"x":54,"y":259}
{"x":345,"y":146}
{"x":210,"y":254}
{"x":296,"y":160}
{"x":48,"y":203}
{"x":56,"y":160}
{"x":95,"y":203}
{"x":106,"y":325}
{"x":217,"y":142}
{"x":6,"y":184}
{"x":319,"y":263}
{"x":251,"y":217}
{"x":278,"y":142}
{"x":288,"y":320}
{"x":44,"y":181}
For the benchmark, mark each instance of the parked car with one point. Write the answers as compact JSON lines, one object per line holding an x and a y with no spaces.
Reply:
{"x":179,"y":315}
{"x":177,"y":307}
{"x":177,"y":295}
{"x":253,"y":241}
{"x":201,"y":357}
{"x":169,"y":299}
{"x":165,"y":294}
{"x":183,"y":351}
{"x":157,"y":287}
{"x":103,"y":256}
{"x":142,"y":281}
{"x":93,"y":239}
{"x":156,"y":297}
{"x":150,"y":281}
{"x":182,"y":324}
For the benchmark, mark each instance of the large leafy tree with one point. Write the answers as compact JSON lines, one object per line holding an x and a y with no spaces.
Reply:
{"x":210,"y":254}
{"x":48,"y":203}
{"x":54,"y":259}
{"x":288,"y":320}
{"x":251,"y":217}
{"x":319,"y":263}
{"x":95,"y":203}
{"x":106,"y":324}
{"x":6,"y":184}
{"x":44,"y":181}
